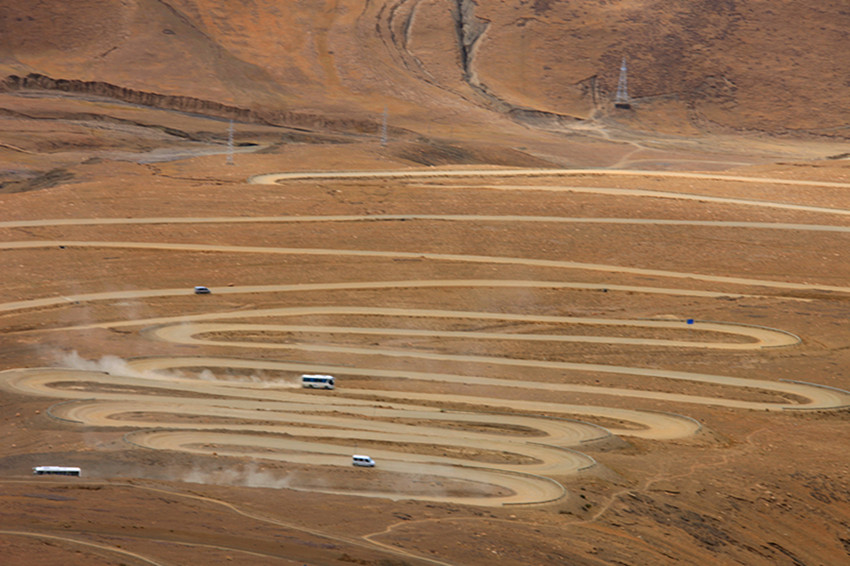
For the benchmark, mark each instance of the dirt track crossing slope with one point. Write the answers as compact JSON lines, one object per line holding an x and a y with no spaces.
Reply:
{"x":275,"y":419}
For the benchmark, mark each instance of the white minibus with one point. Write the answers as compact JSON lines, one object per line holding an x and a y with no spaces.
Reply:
{"x":317,"y":381}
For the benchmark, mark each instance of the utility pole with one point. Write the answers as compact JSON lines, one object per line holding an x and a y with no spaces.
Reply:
{"x":230,"y":144}
{"x":384,"y":129}
{"x":622,"y":98}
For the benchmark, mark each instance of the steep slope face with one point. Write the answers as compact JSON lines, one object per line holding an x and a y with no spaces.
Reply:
{"x":345,"y":54}
{"x":288,"y":40}
{"x":143,"y":44}
{"x":766,"y":66}
{"x":720,"y":64}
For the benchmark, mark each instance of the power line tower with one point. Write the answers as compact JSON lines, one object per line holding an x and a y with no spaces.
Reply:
{"x":622,"y":98}
{"x":230,"y":144}
{"x":384,"y":128}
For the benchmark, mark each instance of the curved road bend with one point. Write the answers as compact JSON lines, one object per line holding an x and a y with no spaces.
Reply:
{"x":526,"y":460}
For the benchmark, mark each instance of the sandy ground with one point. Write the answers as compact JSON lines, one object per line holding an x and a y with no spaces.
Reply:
{"x":549,"y":366}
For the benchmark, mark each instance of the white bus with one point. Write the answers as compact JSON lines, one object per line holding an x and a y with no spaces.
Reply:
{"x":317,"y":381}
{"x":56,"y":471}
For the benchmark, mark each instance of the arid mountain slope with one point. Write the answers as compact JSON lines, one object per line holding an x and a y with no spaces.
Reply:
{"x":568,"y":333}
{"x":719,"y":66}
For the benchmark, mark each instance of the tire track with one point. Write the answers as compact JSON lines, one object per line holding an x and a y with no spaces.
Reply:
{"x":456,"y":258}
{"x":76,"y":541}
{"x":273,"y":178}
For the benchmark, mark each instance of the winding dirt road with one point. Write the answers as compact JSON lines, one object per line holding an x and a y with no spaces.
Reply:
{"x":271,"y":178}
{"x":276,"y":420}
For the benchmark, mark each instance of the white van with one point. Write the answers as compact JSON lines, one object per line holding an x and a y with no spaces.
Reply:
{"x":364,"y":461}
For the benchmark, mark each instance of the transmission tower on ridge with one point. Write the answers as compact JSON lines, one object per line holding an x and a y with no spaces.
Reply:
{"x":230,"y":144}
{"x":622,"y":98}
{"x":384,"y":128}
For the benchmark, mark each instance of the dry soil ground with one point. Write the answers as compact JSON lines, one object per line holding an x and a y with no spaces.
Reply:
{"x":550,"y":366}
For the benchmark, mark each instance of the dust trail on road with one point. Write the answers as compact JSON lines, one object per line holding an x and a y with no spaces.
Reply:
{"x":196,"y":404}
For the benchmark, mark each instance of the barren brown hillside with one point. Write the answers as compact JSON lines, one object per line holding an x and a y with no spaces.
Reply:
{"x":567,"y":333}
{"x":694,"y":66}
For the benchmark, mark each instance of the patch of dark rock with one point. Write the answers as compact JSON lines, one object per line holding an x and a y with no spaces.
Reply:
{"x":45,"y":180}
